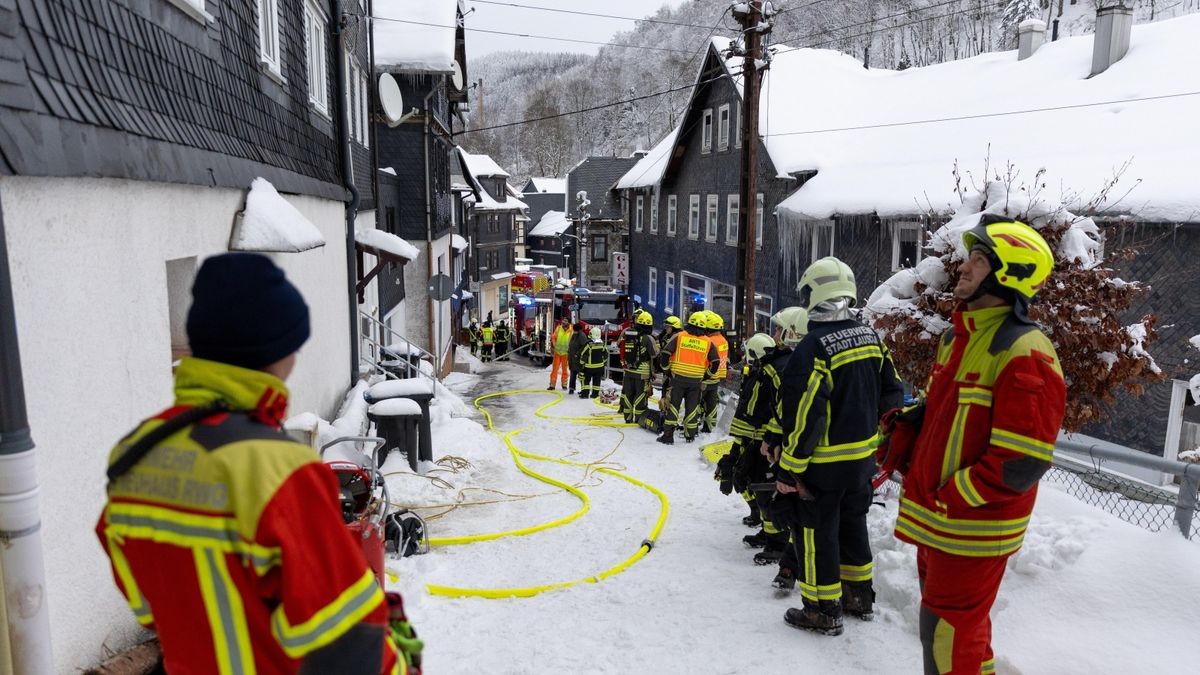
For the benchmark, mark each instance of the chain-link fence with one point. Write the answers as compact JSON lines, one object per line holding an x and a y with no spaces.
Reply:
{"x":1145,"y":506}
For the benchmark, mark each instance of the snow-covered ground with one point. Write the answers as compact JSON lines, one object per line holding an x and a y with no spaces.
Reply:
{"x":1087,"y":594}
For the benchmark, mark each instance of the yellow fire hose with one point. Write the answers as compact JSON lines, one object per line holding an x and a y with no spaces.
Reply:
{"x":517,"y":454}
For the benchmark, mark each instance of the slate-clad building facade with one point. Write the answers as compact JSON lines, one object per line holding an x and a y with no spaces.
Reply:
{"x":592,"y":243}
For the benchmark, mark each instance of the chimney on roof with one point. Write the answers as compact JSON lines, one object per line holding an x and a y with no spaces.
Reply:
{"x":1031,"y":33}
{"x":1113,"y":26}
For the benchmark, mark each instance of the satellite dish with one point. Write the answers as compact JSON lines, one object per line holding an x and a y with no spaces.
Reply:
{"x":391,"y":100}
{"x":456,"y":76}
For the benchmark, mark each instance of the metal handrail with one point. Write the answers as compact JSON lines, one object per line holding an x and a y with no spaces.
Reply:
{"x":409,"y":367}
{"x":1188,"y":473}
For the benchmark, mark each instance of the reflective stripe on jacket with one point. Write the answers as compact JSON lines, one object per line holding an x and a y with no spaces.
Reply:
{"x":489,"y":335}
{"x":200,"y":531}
{"x":995,"y":404}
{"x":838,"y":382}
{"x":594,"y":355}
{"x":690,"y":355}
{"x":758,"y":406}
{"x":722,"y":346}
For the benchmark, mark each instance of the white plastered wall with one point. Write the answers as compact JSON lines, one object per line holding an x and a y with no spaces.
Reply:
{"x":88,"y":261}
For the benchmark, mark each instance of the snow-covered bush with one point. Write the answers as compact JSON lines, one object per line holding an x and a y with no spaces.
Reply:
{"x":1078,"y":308}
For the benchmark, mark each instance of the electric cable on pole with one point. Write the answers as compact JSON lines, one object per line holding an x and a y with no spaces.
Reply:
{"x":755,"y":26}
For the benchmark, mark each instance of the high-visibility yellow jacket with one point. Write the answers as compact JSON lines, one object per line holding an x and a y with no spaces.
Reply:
{"x":227,"y":538}
{"x":561,"y":340}
{"x":995,"y":404}
{"x":489,"y":335}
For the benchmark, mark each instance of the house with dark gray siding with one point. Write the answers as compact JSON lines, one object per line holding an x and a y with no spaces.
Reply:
{"x":492,"y":217}
{"x":599,"y":226}
{"x":416,"y":157}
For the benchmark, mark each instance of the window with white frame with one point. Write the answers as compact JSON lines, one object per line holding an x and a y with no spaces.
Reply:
{"x":906,"y":245}
{"x":268,"y":35}
{"x":637,"y":215}
{"x":710,"y":226}
{"x":351,"y":98}
{"x":654,"y":212}
{"x":731,"y":219}
{"x":707,"y":133}
{"x":194,"y":9}
{"x":653,"y":300}
{"x":723,"y":127}
{"x":694,"y":217}
{"x":737,"y":127}
{"x":672,"y":215}
{"x":669,"y":293}
{"x":316,"y":28}
{"x":758,"y":221}
{"x":822,"y":240}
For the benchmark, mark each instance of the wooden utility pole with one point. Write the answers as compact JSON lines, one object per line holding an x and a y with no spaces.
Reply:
{"x":748,"y":189}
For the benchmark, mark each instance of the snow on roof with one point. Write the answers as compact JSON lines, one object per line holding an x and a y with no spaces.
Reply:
{"x":457,"y":242}
{"x":426,"y":45}
{"x":501,"y":275}
{"x":270,"y":223}
{"x":388,"y":169}
{"x":552,"y":224}
{"x":903,"y":165}
{"x":482,"y":166}
{"x":549,"y":185}
{"x":387,"y":242}
{"x":649,"y":170}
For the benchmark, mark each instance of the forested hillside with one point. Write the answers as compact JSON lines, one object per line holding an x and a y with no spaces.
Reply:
{"x":893,"y":34}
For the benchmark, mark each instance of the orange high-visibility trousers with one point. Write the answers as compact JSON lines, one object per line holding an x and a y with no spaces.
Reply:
{"x":957,"y":593}
{"x":560,"y":365}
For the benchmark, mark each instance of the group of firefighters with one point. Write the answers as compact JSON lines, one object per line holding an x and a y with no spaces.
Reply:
{"x":209,"y":511}
{"x":819,"y":416}
{"x":490,"y":342}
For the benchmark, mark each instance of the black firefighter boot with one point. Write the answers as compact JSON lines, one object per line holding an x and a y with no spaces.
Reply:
{"x":824,"y":618}
{"x":772,"y":553}
{"x":858,"y":598}
{"x":752,"y":520}
{"x":668,"y":436}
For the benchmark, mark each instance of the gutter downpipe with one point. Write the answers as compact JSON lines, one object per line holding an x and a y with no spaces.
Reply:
{"x":25,"y":638}
{"x":437,"y":348}
{"x":343,"y":135}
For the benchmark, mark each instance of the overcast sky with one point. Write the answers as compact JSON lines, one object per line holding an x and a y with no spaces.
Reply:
{"x":538,"y":22}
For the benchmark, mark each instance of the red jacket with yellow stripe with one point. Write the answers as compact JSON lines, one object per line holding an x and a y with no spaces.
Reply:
{"x":227,"y":539}
{"x":995,"y":404}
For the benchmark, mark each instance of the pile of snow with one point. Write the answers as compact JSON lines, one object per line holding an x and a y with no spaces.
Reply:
{"x":270,"y":223}
{"x":351,"y":421}
{"x":387,"y":242}
{"x":423,"y":42}
{"x":458,"y":243}
{"x":463,"y":355}
{"x":1194,"y":383}
{"x":872,"y":156}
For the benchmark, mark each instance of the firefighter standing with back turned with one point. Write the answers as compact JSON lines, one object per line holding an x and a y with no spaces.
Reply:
{"x":837,"y":384}
{"x":672,"y":326}
{"x":690,"y":356}
{"x":711,"y":386}
{"x":225,"y":535}
{"x":995,"y":404}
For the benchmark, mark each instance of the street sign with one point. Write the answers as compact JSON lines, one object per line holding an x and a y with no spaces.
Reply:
{"x":440,"y":287}
{"x":620,"y":269}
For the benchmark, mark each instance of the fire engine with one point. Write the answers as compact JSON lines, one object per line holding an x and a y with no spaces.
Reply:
{"x":606,"y":308}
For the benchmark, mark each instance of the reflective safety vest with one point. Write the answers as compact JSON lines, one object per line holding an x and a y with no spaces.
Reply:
{"x":561,"y":340}
{"x":636,"y":355}
{"x":594,"y":355}
{"x":995,"y":404}
{"x":214,"y":534}
{"x":690,"y":358}
{"x":489,"y":335}
{"x":722,"y":346}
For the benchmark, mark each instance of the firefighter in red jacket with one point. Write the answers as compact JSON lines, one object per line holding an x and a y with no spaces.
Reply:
{"x":995,"y":404}
{"x":226,"y":536}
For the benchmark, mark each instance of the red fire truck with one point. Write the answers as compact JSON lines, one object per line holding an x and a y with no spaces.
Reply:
{"x":611,"y":310}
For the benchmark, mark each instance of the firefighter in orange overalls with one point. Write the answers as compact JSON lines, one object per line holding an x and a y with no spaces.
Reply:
{"x":995,"y":404}
{"x":560,"y":346}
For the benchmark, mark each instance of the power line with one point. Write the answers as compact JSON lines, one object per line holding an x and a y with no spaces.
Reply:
{"x":907,"y":12}
{"x":1072,"y":106}
{"x":592,"y":108}
{"x":571,"y":11}
{"x":881,"y":29}
{"x":523,"y":35}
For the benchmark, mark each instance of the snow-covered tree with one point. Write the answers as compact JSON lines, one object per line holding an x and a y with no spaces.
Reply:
{"x":1016,"y":11}
{"x":1078,"y":308}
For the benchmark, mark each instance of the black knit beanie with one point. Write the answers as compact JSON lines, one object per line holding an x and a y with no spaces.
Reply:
{"x":245,"y":312}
